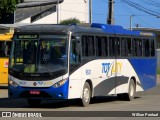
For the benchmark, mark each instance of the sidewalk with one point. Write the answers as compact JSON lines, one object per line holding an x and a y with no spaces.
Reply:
{"x":3,"y":93}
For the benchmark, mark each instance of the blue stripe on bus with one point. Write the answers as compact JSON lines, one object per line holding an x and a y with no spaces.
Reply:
{"x":54,"y":93}
{"x":146,"y":71}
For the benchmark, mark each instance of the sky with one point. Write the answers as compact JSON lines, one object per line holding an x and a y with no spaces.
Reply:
{"x":123,"y":11}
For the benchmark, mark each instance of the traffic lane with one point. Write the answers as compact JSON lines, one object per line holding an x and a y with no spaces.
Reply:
{"x":147,"y":100}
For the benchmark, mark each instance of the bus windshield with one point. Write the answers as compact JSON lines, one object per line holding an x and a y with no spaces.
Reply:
{"x":47,"y":54}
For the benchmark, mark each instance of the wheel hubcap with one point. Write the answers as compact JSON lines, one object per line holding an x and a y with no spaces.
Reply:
{"x":86,"y":94}
{"x":131,"y":90}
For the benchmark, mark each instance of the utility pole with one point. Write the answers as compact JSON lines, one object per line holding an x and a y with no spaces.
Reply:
{"x":131,"y":17}
{"x":90,"y":11}
{"x":57,"y":11}
{"x":110,"y":12}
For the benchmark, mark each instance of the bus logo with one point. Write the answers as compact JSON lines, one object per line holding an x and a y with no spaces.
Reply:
{"x":34,"y":83}
{"x":114,"y":68}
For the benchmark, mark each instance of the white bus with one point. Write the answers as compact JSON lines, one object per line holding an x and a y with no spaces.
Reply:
{"x":70,"y":62}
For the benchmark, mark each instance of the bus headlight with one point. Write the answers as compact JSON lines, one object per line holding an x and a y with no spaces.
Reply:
{"x":14,"y":84}
{"x":60,"y":83}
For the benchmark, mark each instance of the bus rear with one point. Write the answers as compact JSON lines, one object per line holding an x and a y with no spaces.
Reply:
{"x":5,"y":45}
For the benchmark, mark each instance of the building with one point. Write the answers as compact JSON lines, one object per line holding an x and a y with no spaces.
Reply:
{"x":45,"y":11}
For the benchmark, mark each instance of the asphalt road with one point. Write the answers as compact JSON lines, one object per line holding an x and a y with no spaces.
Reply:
{"x":144,"y":101}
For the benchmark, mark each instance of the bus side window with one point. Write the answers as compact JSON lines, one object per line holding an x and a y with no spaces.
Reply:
{"x":146,"y":47}
{"x":91,"y":50}
{"x":152,"y":47}
{"x":84,"y":46}
{"x":75,"y":56}
{"x":104,"y":46}
{"x":114,"y":46}
{"x":88,"y":47}
{"x":133,"y":47}
{"x":128,"y":45}
{"x":137,"y":47}
{"x":123,"y":47}
{"x":111,"y":47}
{"x":117,"y":45}
{"x":98,"y":46}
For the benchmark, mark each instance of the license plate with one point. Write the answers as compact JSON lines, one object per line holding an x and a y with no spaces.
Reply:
{"x":35,"y":92}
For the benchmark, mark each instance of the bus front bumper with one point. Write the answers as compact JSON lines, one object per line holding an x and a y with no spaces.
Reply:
{"x":38,"y":93}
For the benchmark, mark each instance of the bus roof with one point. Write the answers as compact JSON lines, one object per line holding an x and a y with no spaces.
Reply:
{"x":92,"y":28}
{"x":116,"y":29}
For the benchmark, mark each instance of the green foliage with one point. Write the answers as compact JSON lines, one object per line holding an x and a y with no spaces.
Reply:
{"x":8,"y":6}
{"x":158,"y":71}
{"x":70,"y":21}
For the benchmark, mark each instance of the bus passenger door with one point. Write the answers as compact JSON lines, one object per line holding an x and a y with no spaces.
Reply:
{"x":74,"y":68}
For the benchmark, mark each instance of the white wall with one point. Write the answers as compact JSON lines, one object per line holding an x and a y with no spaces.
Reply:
{"x":75,"y":8}
{"x":68,"y":9}
{"x":26,"y":20}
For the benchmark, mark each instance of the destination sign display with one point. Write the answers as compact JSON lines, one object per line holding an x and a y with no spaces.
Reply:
{"x":27,"y":36}
{"x":146,"y":34}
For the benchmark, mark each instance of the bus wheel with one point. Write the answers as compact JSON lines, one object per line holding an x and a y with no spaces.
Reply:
{"x":86,"y":95}
{"x":34,"y":102}
{"x":120,"y":96}
{"x":131,"y":91}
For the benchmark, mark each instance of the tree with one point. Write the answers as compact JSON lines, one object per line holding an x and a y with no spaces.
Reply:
{"x":70,"y":21}
{"x":7,"y":8}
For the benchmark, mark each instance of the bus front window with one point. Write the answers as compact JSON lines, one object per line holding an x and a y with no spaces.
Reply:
{"x":46,"y":55}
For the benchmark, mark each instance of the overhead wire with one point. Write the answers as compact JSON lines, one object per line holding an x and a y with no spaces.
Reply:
{"x":151,"y":3}
{"x":141,"y":8}
{"x":136,"y":15}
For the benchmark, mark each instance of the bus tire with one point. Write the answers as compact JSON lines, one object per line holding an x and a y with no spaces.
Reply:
{"x":34,"y":102}
{"x":86,"y":95}
{"x":120,"y":96}
{"x":131,"y":91}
